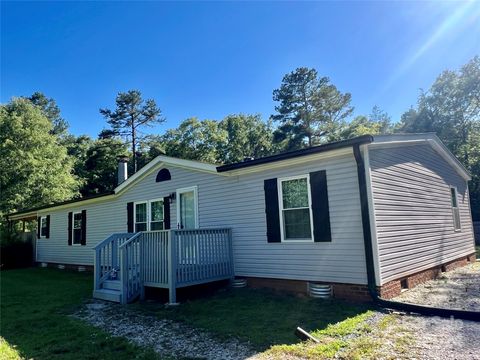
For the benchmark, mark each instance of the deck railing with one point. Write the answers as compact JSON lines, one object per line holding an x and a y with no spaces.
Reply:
{"x":202,"y":254}
{"x":107,"y":259}
{"x":155,"y":265}
{"x":168,"y":259}
{"x":131,"y":261}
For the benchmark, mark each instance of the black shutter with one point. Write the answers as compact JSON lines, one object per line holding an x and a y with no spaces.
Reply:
{"x":166,"y":212}
{"x":272,"y":210}
{"x":320,"y":208}
{"x":130,"y":217}
{"x":38,"y":227}
{"x":70,"y":219}
{"x":47,"y":235}
{"x":84,"y":228}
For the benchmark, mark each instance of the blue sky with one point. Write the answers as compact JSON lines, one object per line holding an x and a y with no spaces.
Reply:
{"x":211,"y":59}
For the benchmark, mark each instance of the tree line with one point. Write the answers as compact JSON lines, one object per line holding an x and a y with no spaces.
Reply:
{"x":42,"y":162}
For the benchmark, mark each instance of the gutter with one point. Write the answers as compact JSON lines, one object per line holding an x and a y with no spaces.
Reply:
{"x":367,"y":238}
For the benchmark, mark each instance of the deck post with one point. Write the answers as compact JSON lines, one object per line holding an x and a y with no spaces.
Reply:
{"x":141,"y":260}
{"x":115,"y":245}
{"x":172,"y":268}
{"x":230,"y":251}
{"x":123,"y":277}
{"x":96,"y":270}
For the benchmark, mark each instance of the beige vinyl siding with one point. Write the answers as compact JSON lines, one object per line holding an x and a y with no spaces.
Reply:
{"x":237,"y":202}
{"x":413,"y":212}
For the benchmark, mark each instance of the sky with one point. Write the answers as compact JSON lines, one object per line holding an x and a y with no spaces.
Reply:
{"x":212,"y":59}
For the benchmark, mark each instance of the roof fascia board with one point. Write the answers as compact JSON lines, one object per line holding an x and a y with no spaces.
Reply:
{"x":22,"y":215}
{"x":293,"y":161}
{"x":53,"y":207}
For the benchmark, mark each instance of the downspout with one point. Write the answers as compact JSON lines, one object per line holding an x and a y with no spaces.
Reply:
{"x":367,"y":238}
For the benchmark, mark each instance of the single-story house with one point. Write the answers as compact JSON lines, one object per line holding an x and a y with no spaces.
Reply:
{"x":386,"y":211}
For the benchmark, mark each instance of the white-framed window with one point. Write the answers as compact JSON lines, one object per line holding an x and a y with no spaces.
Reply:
{"x":457,"y":225}
{"x":141,"y":216}
{"x":295,"y":206}
{"x":149,"y":215}
{"x":77,"y":232}
{"x":156,"y":216}
{"x":43,"y":227}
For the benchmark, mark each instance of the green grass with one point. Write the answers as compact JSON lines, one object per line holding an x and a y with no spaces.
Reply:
{"x":35,"y":321}
{"x":332,"y":340}
{"x":7,"y":351}
{"x":260,"y":317}
{"x":477,"y":248}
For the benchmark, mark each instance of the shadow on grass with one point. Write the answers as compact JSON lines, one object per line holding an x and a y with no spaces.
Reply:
{"x":35,"y":308}
{"x":261,"y":317}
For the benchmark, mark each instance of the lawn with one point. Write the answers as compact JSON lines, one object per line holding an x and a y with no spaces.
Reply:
{"x":37,"y":304}
{"x":261,"y":317}
{"x":477,"y":248}
{"x":35,"y":319}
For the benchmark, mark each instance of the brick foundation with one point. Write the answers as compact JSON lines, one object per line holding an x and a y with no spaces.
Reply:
{"x":360,"y":293}
{"x":350,"y":292}
{"x":394,"y":288}
{"x":88,"y":268}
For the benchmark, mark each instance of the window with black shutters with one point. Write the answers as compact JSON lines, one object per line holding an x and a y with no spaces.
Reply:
{"x":295,"y":208}
{"x":77,"y":232}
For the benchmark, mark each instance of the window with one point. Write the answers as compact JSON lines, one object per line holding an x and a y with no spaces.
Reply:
{"x":149,"y":216}
{"x":43,"y":227}
{"x":455,"y":210}
{"x":156,"y":215}
{"x":77,"y":228}
{"x":295,"y":209}
{"x":141,"y":217}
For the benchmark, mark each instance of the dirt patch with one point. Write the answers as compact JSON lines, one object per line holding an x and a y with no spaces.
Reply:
{"x":166,"y":337}
{"x":456,"y":289}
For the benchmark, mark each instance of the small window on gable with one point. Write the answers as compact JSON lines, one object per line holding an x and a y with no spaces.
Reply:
{"x":43,"y":227}
{"x":455,"y":210}
{"x":163,"y":175}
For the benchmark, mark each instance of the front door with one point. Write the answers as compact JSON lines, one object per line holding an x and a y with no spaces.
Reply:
{"x":187,"y":208}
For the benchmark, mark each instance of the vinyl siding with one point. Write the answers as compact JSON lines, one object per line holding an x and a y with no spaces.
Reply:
{"x":413,"y":213}
{"x":237,"y":202}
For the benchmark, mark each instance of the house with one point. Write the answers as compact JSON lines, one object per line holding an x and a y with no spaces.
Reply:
{"x":377,"y":213}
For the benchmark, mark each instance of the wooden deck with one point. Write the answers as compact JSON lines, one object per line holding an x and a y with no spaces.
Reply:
{"x":126,"y":263}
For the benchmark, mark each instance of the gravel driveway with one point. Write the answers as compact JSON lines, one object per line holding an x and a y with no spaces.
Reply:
{"x":456,"y":289}
{"x":166,"y":337}
{"x":433,"y":338}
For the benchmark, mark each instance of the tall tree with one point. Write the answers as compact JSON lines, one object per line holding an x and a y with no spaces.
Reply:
{"x":50,"y":109}
{"x":246,"y":136}
{"x":195,"y":140}
{"x":377,"y":122}
{"x":101,"y":165}
{"x":451,"y":108}
{"x":310,"y":108}
{"x":132,"y":113}
{"x":36,"y":169}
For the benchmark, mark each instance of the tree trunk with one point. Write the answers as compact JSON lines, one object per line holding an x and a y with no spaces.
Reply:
{"x":134,"y":153}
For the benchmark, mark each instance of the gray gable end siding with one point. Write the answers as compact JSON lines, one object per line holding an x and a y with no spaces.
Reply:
{"x":413,"y":213}
{"x":236,"y":202}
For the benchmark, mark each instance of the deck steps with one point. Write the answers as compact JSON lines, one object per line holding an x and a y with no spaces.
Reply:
{"x":112,"y":284}
{"x":108,"y":295}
